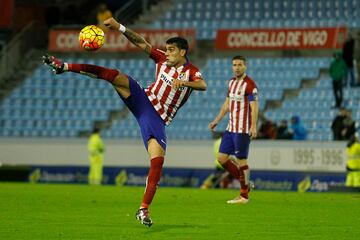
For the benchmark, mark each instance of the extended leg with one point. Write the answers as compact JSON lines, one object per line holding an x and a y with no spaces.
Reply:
{"x":119,"y":80}
{"x":157,"y":154}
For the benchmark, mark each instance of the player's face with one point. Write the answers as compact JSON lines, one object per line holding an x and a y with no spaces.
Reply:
{"x":174,"y":55}
{"x":238,"y":67}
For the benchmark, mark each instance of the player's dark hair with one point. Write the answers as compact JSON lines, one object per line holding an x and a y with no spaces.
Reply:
{"x":239,"y":57}
{"x":180,"y":42}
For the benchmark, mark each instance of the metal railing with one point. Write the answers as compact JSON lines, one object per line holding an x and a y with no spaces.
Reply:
{"x":13,"y":52}
{"x":126,"y":13}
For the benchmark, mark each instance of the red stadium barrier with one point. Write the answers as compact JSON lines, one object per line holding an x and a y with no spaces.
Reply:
{"x":295,"y":38}
{"x":68,"y":40}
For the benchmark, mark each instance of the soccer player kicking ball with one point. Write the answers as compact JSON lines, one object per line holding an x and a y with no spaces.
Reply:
{"x":242,"y":104}
{"x":153,"y":107}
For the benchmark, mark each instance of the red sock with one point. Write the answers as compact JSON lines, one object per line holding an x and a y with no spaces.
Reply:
{"x":152,"y":180}
{"x":244,"y":179}
{"x":94,"y":71}
{"x":231,"y":168}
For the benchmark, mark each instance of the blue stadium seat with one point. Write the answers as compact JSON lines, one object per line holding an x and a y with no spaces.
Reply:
{"x":62,"y":110}
{"x":253,"y":13}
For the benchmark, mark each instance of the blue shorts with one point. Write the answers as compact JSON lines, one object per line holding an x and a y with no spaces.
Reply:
{"x":150,"y":122}
{"x":235,"y":144}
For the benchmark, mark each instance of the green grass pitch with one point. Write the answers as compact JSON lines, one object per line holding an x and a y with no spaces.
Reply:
{"x":54,"y":211}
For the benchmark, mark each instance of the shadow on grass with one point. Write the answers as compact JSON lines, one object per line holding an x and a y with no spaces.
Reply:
{"x":169,"y":227}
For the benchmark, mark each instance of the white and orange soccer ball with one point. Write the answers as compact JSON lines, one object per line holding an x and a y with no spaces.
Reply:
{"x":91,"y":38}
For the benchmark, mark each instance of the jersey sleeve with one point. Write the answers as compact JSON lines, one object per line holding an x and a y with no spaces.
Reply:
{"x":157,"y":55}
{"x":195,"y":74}
{"x":252,"y":91}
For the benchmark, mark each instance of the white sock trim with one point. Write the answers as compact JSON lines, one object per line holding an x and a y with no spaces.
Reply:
{"x":122,"y":28}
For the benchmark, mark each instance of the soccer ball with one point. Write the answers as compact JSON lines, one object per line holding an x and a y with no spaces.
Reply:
{"x":91,"y":38}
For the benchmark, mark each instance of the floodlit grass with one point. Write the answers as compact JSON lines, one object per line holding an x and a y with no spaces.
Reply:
{"x":29,"y":211}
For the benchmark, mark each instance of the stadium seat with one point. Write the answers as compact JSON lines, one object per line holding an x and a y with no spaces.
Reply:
{"x":70,"y":104}
{"x":259,"y":13}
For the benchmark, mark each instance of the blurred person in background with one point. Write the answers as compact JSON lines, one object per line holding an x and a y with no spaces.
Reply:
{"x":96,"y":150}
{"x":338,"y":124}
{"x":102,"y":14}
{"x":348,"y":56}
{"x":357,"y":57}
{"x":219,"y":178}
{"x":349,"y":128}
{"x":242,"y":104}
{"x":337,"y":73}
{"x":283,"y":131}
{"x":267,"y":130}
{"x":353,"y":163}
{"x":297,"y":129}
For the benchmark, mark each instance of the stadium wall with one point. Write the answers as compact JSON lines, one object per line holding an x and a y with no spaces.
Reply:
{"x":264,"y":155}
{"x":276,"y":165}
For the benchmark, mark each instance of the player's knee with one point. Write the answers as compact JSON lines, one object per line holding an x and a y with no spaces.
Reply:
{"x":222,"y":159}
{"x":242,"y":160}
{"x":121,"y":80}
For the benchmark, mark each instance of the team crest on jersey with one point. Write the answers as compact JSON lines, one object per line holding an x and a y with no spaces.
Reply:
{"x":182,"y":76}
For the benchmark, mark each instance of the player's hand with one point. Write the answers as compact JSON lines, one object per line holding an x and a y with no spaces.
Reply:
{"x":176,"y":83}
{"x":212,"y":125}
{"x":112,"y":24}
{"x":253,"y":132}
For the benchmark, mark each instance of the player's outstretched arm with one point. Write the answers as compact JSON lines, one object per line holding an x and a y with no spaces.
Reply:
{"x":224,"y":109}
{"x":199,"y":84}
{"x":132,"y":36}
{"x":254,"y":106}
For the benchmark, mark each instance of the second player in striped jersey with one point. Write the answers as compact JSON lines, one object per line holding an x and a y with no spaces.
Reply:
{"x":242,"y":104}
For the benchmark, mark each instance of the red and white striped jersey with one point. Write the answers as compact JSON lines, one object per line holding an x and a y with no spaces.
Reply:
{"x":166,"y":100}
{"x":239,"y":104}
